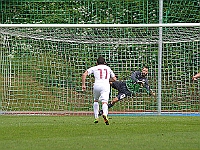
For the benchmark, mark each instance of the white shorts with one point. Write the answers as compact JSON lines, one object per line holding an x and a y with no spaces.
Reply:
{"x":101,"y":92}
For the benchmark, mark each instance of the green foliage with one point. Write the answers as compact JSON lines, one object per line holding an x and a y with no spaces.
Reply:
{"x":95,"y":11}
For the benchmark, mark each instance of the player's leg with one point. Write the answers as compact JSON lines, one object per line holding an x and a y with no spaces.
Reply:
{"x":122,"y":92}
{"x":112,"y":103}
{"x":96,"y":94}
{"x":118,"y":86}
{"x":116,"y":99}
{"x":104,"y":99}
{"x":96,"y":111}
{"x":105,"y":112}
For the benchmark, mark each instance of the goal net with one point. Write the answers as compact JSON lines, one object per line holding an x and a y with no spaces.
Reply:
{"x":41,"y":67}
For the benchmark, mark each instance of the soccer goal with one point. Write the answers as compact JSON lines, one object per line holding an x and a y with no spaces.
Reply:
{"x":41,"y":66}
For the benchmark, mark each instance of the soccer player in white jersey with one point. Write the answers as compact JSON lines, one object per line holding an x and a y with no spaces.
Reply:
{"x":101,"y":88}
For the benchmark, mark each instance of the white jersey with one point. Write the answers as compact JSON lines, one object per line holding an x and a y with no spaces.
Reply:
{"x":102,"y":74}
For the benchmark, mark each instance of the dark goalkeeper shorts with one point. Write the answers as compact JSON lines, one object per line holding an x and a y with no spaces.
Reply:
{"x":122,"y":89}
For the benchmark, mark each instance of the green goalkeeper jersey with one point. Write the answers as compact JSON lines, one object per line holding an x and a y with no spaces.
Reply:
{"x":132,"y":87}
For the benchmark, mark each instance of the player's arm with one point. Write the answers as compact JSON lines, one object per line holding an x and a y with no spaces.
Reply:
{"x":134,"y":76}
{"x":84,"y":75}
{"x":195,"y":77}
{"x":148,"y":90}
{"x":152,"y":92}
{"x":112,"y":79}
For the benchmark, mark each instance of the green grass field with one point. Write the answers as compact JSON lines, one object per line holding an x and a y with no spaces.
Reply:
{"x":79,"y":132}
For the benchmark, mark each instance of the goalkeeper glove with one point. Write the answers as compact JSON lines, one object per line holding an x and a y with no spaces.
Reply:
{"x":141,"y":83}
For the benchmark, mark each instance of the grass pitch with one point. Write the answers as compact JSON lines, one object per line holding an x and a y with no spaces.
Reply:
{"x":79,"y":132}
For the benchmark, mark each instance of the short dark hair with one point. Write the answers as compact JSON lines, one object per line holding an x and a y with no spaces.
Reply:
{"x":146,"y":67}
{"x":100,"y":60}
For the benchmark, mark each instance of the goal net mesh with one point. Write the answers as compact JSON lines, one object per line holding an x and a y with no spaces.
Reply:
{"x":41,"y":68}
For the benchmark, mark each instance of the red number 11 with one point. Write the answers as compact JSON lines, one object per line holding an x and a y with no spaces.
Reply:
{"x":101,"y":75}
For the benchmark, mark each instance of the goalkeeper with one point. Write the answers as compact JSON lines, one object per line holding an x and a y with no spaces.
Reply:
{"x":131,"y":86}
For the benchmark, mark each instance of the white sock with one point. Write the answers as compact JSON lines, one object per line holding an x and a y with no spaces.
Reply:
{"x":105,"y":109}
{"x":96,"y":109}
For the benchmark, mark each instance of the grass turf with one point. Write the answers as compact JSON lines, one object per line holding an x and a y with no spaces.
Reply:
{"x":79,"y":132}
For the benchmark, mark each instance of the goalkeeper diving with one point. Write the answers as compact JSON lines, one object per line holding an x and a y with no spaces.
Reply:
{"x":131,"y":86}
